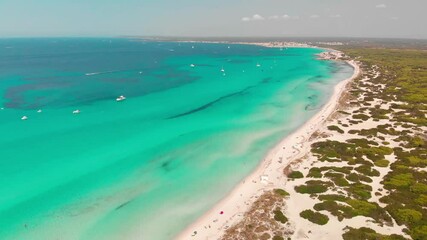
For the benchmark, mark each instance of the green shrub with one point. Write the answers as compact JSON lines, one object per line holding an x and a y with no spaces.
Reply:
{"x":416,"y":142}
{"x":335,"y":128}
{"x":281,"y":192}
{"x":363,"y":117}
{"x":381,"y":163}
{"x":332,"y":197}
{"x":314,"y":217}
{"x":339,"y":210}
{"x":345,"y":170}
{"x":361,"y":207}
{"x":367,"y":170}
{"x":417,"y":161}
{"x":368,"y":234}
{"x":362,"y":142}
{"x":354,"y":177}
{"x":419,"y":232}
{"x":408,"y":216}
{"x":360,"y":191}
{"x":312,"y":187}
{"x":295,"y":174}
{"x":315,"y":173}
{"x":279,"y":216}
{"x":342,"y":182}
{"x":400,"y":180}
{"x":331,"y":174}
{"x":422,"y":200}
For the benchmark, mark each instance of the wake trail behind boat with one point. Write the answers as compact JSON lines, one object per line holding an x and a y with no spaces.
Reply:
{"x":114,"y":71}
{"x":99,"y":73}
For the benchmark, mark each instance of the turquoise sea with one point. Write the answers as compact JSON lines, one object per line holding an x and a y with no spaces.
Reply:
{"x":145,"y":167}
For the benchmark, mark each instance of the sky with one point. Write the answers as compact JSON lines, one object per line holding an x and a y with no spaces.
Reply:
{"x":220,"y":18}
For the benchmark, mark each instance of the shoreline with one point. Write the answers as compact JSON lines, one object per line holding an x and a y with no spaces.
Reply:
{"x":269,"y":173}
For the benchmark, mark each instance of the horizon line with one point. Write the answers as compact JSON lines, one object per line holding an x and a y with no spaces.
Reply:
{"x":207,"y":37}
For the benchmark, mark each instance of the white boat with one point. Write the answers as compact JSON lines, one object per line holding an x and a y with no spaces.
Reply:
{"x":76,"y":111}
{"x":192,"y":46}
{"x":222,"y":69}
{"x":24,"y":118}
{"x":192,"y":65}
{"x":39,"y":111}
{"x":228,"y":47}
{"x":120,"y":98}
{"x":258,"y":65}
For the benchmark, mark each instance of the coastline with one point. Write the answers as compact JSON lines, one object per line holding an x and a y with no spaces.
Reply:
{"x":269,"y":173}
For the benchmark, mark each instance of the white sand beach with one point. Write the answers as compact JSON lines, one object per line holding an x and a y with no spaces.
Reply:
{"x":269,"y":174}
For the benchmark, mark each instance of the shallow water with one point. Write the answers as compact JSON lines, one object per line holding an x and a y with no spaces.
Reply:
{"x":150,"y":165}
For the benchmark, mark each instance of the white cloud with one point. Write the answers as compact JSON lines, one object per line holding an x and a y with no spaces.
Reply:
{"x":335,"y":16}
{"x":381,"y":6}
{"x":314,"y":16}
{"x":257,"y":17}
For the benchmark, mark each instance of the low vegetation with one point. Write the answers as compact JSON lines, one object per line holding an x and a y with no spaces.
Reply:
{"x":314,"y":217}
{"x":405,"y":75}
{"x":279,"y":216}
{"x":313,"y":186}
{"x":393,"y":152}
{"x":368,"y":234}
{"x":281,"y":192}
{"x":335,"y":128}
{"x":295,"y":174}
